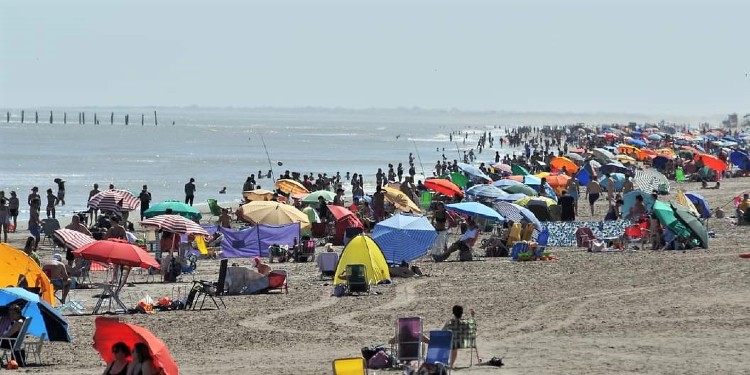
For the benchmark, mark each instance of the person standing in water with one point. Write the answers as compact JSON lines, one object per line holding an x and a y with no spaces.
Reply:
{"x":190,"y":191}
{"x":60,"y":190}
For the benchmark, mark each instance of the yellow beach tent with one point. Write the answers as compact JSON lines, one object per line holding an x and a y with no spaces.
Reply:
{"x":363,"y":250}
{"x":14,"y":263}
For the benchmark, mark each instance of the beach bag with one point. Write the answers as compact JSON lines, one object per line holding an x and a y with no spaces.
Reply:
{"x":339,"y":290}
{"x":369,"y":351}
{"x":379,"y":360}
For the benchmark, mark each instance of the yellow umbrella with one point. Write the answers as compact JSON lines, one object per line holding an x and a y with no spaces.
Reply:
{"x":542,"y":174}
{"x":15,"y":263}
{"x":400,"y":200}
{"x":665,"y":151}
{"x":291,"y":186}
{"x":625,"y":158}
{"x":273,"y":213}
{"x":684,"y":201}
{"x":523,"y":202}
{"x":258,"y":195}
{"x":629,"y":150}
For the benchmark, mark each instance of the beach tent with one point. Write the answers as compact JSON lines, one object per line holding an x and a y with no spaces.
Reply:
{"x":45,"y":320}
{"x":15,"y":263}
{"x":700,"y":203}
{"x":343,"y":219}
{"x":363,"y":250}
{"x":404,"y":238}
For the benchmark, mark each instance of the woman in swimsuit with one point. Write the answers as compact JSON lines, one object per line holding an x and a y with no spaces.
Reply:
{"x":121,"y":363}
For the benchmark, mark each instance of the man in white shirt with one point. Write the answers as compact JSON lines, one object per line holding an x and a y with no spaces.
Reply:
{"x":464,"y":242}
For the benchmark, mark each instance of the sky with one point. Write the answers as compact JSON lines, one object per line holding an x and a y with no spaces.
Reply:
{"x":668,"y":57}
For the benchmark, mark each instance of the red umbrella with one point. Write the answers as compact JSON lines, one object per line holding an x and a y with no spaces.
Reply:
{"x":175,"y":224}
{"x":118,"y":252}
{"x":443,"y":186}
{"x":109,"y":331}
{"x":712,"y":162}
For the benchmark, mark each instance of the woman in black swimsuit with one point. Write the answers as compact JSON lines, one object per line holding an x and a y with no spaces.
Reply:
{"x":121,"y":363}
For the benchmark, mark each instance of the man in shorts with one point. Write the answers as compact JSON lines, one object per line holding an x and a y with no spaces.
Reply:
{"x":13,"y":207}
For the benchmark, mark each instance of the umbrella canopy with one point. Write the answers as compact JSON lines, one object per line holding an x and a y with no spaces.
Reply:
{"x":73,"y":239}
{"x":117,"y":252}
{"x":685,"y":203}
{"x":558,"y":163}
{"x":45,"y":319}
{"x":645,"y":154}
{"x":622,"y":158}
{"x":712,"y":162}
{"x":291,"y":186}
{"x":401,"y":201}
{"x":510,"y":198}
{"x":108,"y":331}
{"x":485,"y":191}
{"x":314,"y":196}
{"x":666,"y":216}
{"x":506,"y":182}
{"x":654,"y":137}
{"x":15,"y":263}
{"x":558,"y":180}
{"x":512,"y":211}
{"x":540,"y":201}
{"x":650,"y":180}
{"x":443,"y":186}
{"x":637,"y":142}
{"x":520,"y":189}
{"x":312,"y":215}
{"x":174,"y":224}
{"x":613,"y":167}
{"x":404,"y":238}
{"x":178,"y":208}
{"x":583,"y":176}
{"x":741,"y":160}
{"x":628,"y":200}
{"x":473,"y":171}
{"x":109,"y":200}
{"x":459,"y":179}
{"x":661,"y":161}
{"x":603,"y":154}
{"x":475,"y":209}
{"x":257,"y":195}
{"x":519,"y":170}
{"x":700,"y":203}
{"x":502,"y":167}
{"x":695,"y":227}
{"x":575,"y":157}
{"x":272,"y":213}
{"x":618,"y":178}
{"x":627,"y":150}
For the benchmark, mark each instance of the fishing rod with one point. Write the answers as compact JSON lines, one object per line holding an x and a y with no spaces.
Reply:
{"x":270,"y":165}
{"x":419,"y":158}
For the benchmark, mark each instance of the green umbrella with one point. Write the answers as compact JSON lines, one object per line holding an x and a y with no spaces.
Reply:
{"x":693,"y":225}
{"x":177,"y":207}
{"x":519,"y":170}
{"x":313,"y":197}
{"x":520,"y":189}
{"x":459,"y":179}
{"x":666,"y":216}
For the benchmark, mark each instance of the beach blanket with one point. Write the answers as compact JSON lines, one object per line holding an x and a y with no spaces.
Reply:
{"x":563,"y":233}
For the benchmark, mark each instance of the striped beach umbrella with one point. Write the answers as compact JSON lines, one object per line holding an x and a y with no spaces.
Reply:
{"x":109,"y":200}
{"x":649,"y":180}
{"x":73,"y":239}
{"x":512,"y":211}
{"x":174,"y":224}
{"x":404,"y":237}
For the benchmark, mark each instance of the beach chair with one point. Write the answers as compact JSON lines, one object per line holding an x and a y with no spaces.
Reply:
{"x":439,"y":349}
{"x":15,"y":345}
{"x":465,"y":336}
{"x":205,"y":289}
{"x":49,"y":226}
{"x":349,"y":366}
{"x":327,"y":263}
{"x":277,"y":280}
{"x":306,"y":251}
{"x":356,"y":279}
{"x":213,"y":206}
{"x":585,"y":237}
{"x":635,"y":234}
{"x":514,"y":234}
{"x":528,"y":230}
{"x":408,"y":344}
{"x":34,"y":348}
{"x":541,"y":243}
{"x":425,"y":200}
{"x":518,"y":248}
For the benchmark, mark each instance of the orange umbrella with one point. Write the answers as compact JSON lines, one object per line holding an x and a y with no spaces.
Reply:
{"x":291,"y":186}
{"x":712,"y":162}
{"x":557,"y":180}
{"x":645,"y":154}
{"x":109,"y":331}
{"x":628,"y":150}
{"x":516,"y":178}
{"x":560,"y":162}
{"x":443,"y":186}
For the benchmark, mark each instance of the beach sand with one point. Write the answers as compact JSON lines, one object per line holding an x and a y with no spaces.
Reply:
{"x":645,"y":312}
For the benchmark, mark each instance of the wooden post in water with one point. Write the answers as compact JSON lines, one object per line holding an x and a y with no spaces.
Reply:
{"x":156,"y":121}
{"x":127,"y":119}
{"x":50,"y":117}
{"x":83,"y":117}
{"x":79,"y":118}
{"x":36,"y":117}
{"x":96,"y":122}
{"x":22,"y":115}
{"x":7,"y":116}
{"x":112,"y":118}
{"x":65,"y":117}
{"x":142,"y":119}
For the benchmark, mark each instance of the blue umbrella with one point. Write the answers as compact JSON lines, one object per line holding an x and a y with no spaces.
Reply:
{"x":629,"y":200}
{"x":45,"y":320}
{"x":473,"y":171}
{"x":654,"y":137}
{"x":485,"y":191}
{"x":741,"y":160}
{"x":403,"y":238}
{"x":512,"y":211}
{"x":475,"y":209}
{"x":660,"y":162}
{"x":583,"y":176}
{"x":619,"y":179}
{"x":505,"y":182}
{"x":637,"y":142}
{"x":700,"y":203}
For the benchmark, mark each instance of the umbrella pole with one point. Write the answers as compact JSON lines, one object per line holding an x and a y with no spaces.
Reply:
{"x":419,"y":158}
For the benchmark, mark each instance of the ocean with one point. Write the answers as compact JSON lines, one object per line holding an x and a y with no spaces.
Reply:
{"x":222,"y":147}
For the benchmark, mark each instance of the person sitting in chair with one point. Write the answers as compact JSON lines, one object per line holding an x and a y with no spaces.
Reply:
{"x":457,"y":326}
{"x":10,"y":326}
{"x":58,"y":275}
{"x":262,"y":267}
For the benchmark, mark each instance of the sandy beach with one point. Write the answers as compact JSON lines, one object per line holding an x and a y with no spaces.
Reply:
{"x":667,"y":312}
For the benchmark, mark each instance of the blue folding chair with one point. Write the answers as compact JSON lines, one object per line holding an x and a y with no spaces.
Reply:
{"x":541,"y":243}
{"x":439,"y":349}
{"x":518,"y":248}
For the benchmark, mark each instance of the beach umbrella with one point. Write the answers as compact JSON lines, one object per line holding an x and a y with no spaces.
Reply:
{"x":272,"y":213}
{"x":108,"y":331}
{"x":15,"y":265}
{"x":603,"y":154}
{"x":175,"y":224}
{"x":660,"y":161}
{"x":557,"y":181}
{"x":314,"y":196}
{"x":312,"y":214}
{"x":177,"y":207}
{"x":520,"y":189}
{"x":712,"y":162}
{"x":258,"y":195}
{"x":622,"y":158}
{"x":540,"y":201}
{"x":118,"y":252}
{"x":506,"y":182}
{"x":628,"y":200}
{"x":459,"y":179}
{"x":519,"y":170}
{"x":575,"y":157}
{"x":473,"y":171}
{"x":618,"y":178}
{"x":109,"y":200}
{"x":654,"y":137}
{"x":592,"y":166}
{"x":485,"y":191}
{"x":475,"y":209}
{"x":404,"y":238}
{"x":700,"y":204}
{"x":645,"y":154}
{"x":512,"y":211}
{"x":502,"y":167}
{"x":665,"y":151}
{"x":666,"y":216}
{"x":741,"y":160}
{"x":613,"y":167}
{"x":649,"y":180}
{"x":686,"y":203}
{"x":510,"y":198}
{"x":45,"y":319}
{"x":73,"y":239}
{"x":627,"y":150}
{"x":558,"y":163}
{"x":443,"y":186}
{"x":637,"y":142}
{"x":289,"y":186}
{"x":583,"y":176}
{"x":401,"y":201}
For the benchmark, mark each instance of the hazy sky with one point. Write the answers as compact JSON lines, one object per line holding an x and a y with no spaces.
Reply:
{"x":671,"y":57}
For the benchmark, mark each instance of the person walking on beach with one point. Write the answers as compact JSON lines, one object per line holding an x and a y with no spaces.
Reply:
{"x":92,"y":210}
{"x":13,"y":206}
{"x":35,"y":225}
{"x":52,"y":201}
{"x":593,"y":189}
{"x":4,"y":219}
{"x":145,"y":198}
{"x":60,"y":190}
{"x":190,"y":191}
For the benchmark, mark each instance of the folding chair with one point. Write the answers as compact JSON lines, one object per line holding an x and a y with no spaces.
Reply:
{"x":408,"y":344}
{"x":34,"y":348}
{"x":15,"y":344}
{"x":206,"y":289}
{"x":349,"y":366}
{"x":213,"y":206}
{"x":541,"y":243}
{"x":49,"y":226}
{"x":277,"y":280}
{"x":518,"y":248}
{"x":465,"y":336}
{"x":356,"y":279}
{"x":439,"y":349}
{"x":306,"y":251}
{"x":634,"y":234}
{"x":327,"y":263}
